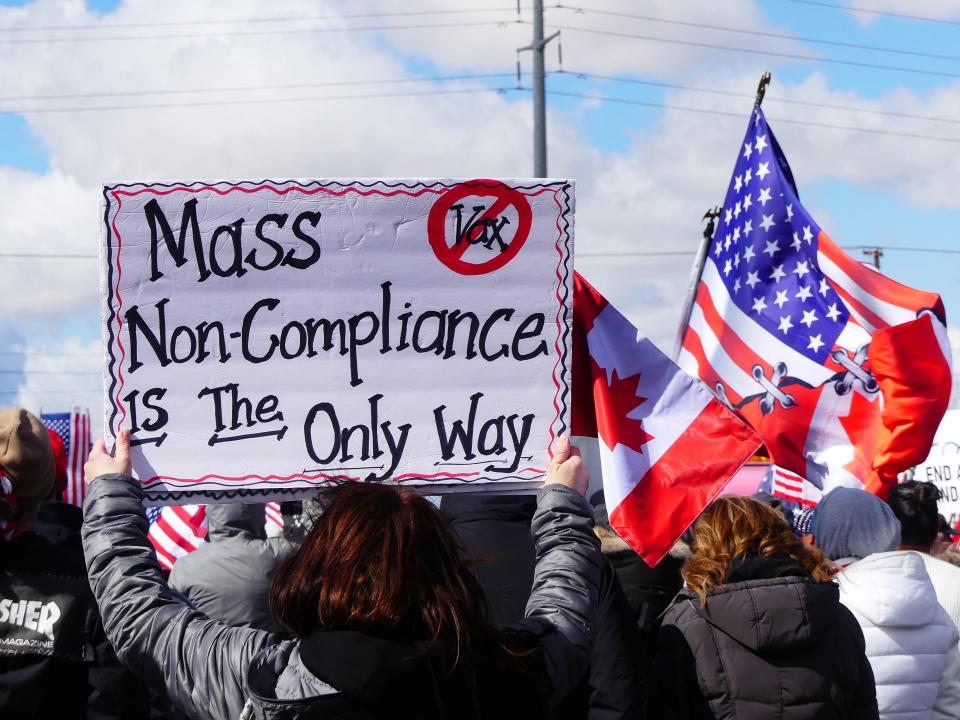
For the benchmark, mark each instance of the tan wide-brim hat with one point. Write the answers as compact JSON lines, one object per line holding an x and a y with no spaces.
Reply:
{"x":26,"y":458}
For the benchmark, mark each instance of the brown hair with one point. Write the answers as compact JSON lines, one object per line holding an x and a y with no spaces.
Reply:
{"x":738,"y":527}
{"x":385,"y":562}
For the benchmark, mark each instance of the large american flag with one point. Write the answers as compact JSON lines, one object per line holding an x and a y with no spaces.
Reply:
{"x":843,"y":372}
{"x":74,"y":429}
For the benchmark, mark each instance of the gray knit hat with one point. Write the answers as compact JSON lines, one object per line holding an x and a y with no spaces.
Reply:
{"x":854,"y":523}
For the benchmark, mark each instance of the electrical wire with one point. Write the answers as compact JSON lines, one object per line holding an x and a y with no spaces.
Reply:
{"x":248,"y":88}
{"x":871,"y":11}
{"x":251,"y":33}
{"x":256,"y":101}
{"x":760,"y":33}
{"x":752,"y":51}
{"x":253,"y":20}
{"x":740,"y":116}
{"x":751,"y":96}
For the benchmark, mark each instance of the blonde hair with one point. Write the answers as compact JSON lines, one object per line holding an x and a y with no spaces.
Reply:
{"x":738,"y":527}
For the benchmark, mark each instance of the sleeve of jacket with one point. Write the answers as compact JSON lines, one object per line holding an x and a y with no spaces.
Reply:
{"x":673,"y":691}
{"x":562,"y":607}
{"x":948,"y":699}
{"x":201,"y":663}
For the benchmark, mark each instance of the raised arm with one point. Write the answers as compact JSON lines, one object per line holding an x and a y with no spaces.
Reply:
{"x":201,"y":663}
{"x":566,"y":581}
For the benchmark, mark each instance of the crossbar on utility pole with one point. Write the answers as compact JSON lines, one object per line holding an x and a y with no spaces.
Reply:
{"x":539,"y":91}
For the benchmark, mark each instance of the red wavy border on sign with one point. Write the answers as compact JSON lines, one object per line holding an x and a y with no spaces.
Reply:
{"x":115,"y":292}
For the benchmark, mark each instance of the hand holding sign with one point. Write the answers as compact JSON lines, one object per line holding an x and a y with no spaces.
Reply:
{"x":566,"y":467}
{"x":101,"y":462}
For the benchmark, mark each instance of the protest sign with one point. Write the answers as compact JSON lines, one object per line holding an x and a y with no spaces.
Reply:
{"x":263,"y":338}
{"x":942,"y":466}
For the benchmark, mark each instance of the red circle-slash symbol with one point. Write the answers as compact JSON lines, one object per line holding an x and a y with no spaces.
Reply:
{"x":486,"y":224}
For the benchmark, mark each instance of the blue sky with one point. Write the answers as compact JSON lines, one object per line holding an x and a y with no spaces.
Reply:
{"x":853,"y":211}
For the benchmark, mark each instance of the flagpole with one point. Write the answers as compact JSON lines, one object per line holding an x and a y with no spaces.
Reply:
{"x":710,"y":217}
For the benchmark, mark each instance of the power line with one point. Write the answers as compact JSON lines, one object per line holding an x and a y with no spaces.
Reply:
{"x":247,"y":88}
{"x":751,"y":96}
{"x":50,"y":372}
{"x":259,"y":101}
{"x":761,"y":33}
{"x":250,"y":33}
{"x":740,"y":116}
{"x":753,"y":51}
{"x":253,"y":20}
{"x":637,"y":253}
{"x":64,"y":256}
{"x":44,"y":353}
{"x":888,"y":13}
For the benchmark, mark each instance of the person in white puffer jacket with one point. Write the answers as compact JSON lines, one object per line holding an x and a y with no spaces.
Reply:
{"x":911,"y":641}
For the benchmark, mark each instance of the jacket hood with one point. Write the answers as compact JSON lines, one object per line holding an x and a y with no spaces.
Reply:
{"x":501,"y":508}
{"x":385,"y":678}
{"x":235,"y":521}
{"x":890,"y":588}
{"x":772,"y":615}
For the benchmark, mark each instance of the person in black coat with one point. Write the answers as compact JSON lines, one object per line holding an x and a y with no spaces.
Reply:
{"x":55,"y":660}
{"x":495,"y":532}
{"x":759,"y":633}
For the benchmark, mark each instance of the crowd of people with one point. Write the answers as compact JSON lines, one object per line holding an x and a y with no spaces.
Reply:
{"x":377,"y":603}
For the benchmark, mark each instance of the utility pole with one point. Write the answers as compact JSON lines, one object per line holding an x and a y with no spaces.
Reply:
{"x":539,"y":91}
{"x":875,"y":253}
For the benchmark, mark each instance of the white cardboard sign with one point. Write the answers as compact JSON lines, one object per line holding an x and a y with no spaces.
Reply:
{"x":264,"y":338}
{"x":942,"y":466}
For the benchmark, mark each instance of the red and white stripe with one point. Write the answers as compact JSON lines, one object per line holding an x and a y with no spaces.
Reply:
{"x":80,"y":445}
{"x":790,"y":486}
{"x":273,"y":515}
{"x":178,"y":531}
{"x":656,"y":489}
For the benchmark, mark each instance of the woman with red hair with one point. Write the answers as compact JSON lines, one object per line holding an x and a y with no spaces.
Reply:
{"x":383,"y":618}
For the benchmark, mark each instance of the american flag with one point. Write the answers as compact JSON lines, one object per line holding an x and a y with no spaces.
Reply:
{"x":843,"y":372}
{"x":176,"y":530}
{"x":74,"y":429}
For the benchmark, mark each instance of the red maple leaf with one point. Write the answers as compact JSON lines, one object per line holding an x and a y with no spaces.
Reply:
{"x":614,"y":400}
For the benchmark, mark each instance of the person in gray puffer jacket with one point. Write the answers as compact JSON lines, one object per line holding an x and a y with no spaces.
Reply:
{"x":432,"y":654}
{"x":227,"y":578}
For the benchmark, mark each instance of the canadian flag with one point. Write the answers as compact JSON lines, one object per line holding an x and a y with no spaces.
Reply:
{"x":667,"y":445}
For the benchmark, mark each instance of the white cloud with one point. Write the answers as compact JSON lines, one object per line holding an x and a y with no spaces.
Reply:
{"x":934,"y":9}
{"x":56,"y":378}
{"x":650,"y":197}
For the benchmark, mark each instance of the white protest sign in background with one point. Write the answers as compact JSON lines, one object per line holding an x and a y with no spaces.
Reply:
{"x":263,"y":338}
{"x":942,"y":466}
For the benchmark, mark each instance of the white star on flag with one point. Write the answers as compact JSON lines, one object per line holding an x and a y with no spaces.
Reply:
{"x":767,"y":222}
{"x":809,"y":318}
{"x":781,"y":299}
{"x":773,"y":247}
{"x":815,"y":342}
{"x":763,"y":169}
{"x":759,"y":304}
{"x":785,"y":324}
{"x":777,"y":274}
{"x":764,"y":197}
